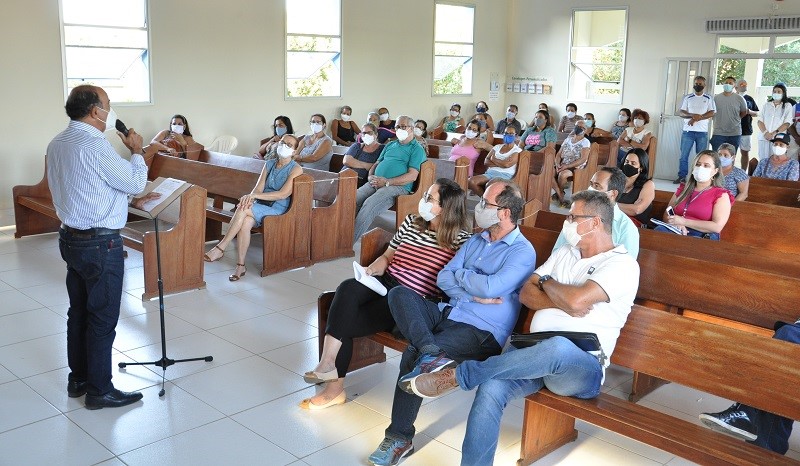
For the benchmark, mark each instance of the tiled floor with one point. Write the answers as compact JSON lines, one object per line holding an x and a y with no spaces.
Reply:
{"x":242,"y":407}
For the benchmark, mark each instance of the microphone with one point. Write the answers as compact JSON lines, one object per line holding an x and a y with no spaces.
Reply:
{"x":121,"y":127}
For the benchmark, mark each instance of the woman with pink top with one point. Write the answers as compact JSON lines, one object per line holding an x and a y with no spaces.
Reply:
{"x":469,"y":145}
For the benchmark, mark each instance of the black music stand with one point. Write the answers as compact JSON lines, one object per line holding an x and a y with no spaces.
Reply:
{"x":165,"y":361}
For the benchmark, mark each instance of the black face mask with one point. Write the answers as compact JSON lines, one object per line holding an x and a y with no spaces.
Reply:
{"x":578,"y":130}
{"x":629,"y":170}
{"x":698,"y":87}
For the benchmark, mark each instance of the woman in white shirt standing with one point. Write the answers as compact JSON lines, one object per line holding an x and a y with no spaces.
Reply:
{"x":775,"y":118}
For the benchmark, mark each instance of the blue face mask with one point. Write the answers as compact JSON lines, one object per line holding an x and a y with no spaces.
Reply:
{"x":280,"y":130}
{"x":509,"y":138}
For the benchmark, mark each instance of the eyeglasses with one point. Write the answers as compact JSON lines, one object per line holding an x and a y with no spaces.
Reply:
{"x":483,"y":203}
{"x":404,"y":127}
{"x":429,"y":198}
{"x":571,"y":218}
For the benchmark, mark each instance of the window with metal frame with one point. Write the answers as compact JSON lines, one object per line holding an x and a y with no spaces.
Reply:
{"x":453,"y":47}
{"x":597,"y":55}
{"x":313,"y":48}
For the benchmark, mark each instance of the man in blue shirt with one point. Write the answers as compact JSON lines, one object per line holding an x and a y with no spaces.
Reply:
{"x":483,"y":281}
{"x":90,"y":184}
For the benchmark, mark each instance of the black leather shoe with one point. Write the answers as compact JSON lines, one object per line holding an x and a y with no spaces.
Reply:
{"x":113,"y":399}
{"x":76,"y":388}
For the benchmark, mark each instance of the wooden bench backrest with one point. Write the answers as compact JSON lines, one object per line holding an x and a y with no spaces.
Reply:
{"x":728,"y":362}
{"x":523,"y":171}
{"x":220,"y":180}
{"x":457,"y":170}
{"x":759,"y":181}
{"x":652,"y":151}
{"x":582,"y":176}
{"x":326,"y":184}
{"x":765,"y":193}
{"x":237,"y":162}
{"x":540,"y":177}
{"x":337,"y":159}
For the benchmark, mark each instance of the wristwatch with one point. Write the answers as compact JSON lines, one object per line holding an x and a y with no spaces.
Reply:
{"x":387,"y":184}
{"x":543,"y":279}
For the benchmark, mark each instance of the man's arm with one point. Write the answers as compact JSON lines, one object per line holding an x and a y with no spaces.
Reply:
{"x":575,"y":300}
{"x":446,"y":279}
{"x":517,"y":266}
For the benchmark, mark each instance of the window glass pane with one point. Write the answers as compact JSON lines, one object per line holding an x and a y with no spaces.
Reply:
{"x":454,"y":23}
{"x":782,"y":70}
{"x":313,"y":44}
{"x":453,"y":50}
{"x":597,"y":55}
{"x":788,"y":44}
{"x":600,"y":28}
{"x":738,"y":44}
{"x":123,"y":73}
{"x":313,"y":17}
{"x":105,"y":37}
{"x":127,"y":13}
{"x":452,"y":75}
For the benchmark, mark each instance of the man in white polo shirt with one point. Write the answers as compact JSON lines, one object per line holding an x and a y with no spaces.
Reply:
{"x":587,"y":285}
{"x":697,"y":108}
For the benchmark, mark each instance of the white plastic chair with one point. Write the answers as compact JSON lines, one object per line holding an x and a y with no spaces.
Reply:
{"x":224,"y":144}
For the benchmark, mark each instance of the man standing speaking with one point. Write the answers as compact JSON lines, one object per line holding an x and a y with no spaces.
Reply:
{"x":90,"y":184}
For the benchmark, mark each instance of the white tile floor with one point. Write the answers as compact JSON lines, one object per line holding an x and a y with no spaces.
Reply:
{"x":242,"y":407}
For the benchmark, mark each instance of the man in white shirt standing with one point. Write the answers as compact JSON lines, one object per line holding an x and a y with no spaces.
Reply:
{"x":90,"y":184}
{"x":587,"y":285}
{"x":697,"y":108}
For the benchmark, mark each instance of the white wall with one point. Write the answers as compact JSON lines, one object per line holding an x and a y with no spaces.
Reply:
{"x":221,"y":64}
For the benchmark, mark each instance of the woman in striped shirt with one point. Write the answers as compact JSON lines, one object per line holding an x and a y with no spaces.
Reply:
{"x":422,"y":246}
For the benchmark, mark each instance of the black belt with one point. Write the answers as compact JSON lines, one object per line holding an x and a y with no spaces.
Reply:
{"x":90,"y":232}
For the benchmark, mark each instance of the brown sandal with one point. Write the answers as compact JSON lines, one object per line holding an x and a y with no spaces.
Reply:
{"x":209,"y":259}
{"x":234,"y":277}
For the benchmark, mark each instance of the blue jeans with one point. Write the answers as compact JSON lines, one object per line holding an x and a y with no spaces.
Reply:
{"x":94,"y":283}
{"x":773,"y":431}
{"x":717,"y":141}
{"x":428,"y":330}
{"x":689,"y":139}
{"x":556,"y":364}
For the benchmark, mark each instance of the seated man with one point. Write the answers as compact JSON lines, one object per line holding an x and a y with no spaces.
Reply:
{"x":482,"y":281}
{"x":611,"y":181}
{"x":758,"y":427}
{"x":392,"y":174}
{"x":586,"y":286}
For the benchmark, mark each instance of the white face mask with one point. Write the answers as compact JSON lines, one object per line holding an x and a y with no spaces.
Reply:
{"x":402,"y":134}
{"x":570,"y":114}
{"x":778,"y":150}
{"x":418,"y":132}
{"x":384,"y":116}
{"x":111,"y":119}
{"x":486,"y":216}
{"x":777,"y":97}
{"x":622,"y":118}
{"x":454,"y":113}
{"x":368,"y":138}
{"x":316,"y":127}
{"x":284,"y":151}
{"x":570,"y":231}
{"x":345,"y":117}
{"x":426,"y":210}
{"x":510,"y":115}
{"x":638,"y":122}
{"x":177,"y":129}
{"x":702,"y":174}
{"x":470,"y":134}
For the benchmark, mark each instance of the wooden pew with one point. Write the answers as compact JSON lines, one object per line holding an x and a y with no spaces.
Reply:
{"x":652,"y":151}
{"x":334,"y":211}
{"x":286,"y":238}
{"x":409,"y":203}
{"x":540,"y":176}
{"x":776,"y":192}
{"x":457,"y":171}
{"x":581,"y":176}
{"x":182,"y":245}
{"x":337,"y":159}
{"x":700,"y":355}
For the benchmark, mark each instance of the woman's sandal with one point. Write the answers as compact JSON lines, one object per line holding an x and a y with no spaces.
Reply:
{"x":234,"y":277}
{"x":207,"y":258}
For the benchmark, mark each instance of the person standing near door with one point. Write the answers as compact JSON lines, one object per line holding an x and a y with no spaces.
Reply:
{"x":747,"y":123}
{"x":731,"y":108}
{"x":697,"y":108}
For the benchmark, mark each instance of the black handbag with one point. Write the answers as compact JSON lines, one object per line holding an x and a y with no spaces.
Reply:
{"x":584,"y":340}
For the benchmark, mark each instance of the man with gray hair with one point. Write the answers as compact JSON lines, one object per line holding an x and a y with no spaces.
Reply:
{"x":587,"y":285}
{"x":392,"y":174}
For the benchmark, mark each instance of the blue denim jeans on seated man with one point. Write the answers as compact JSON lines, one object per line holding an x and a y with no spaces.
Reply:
{"x":556,"y":364}
{"x":773,"y":431}
{"x":717,"y":140}
{"x":689,"y":139}
{"x":95,"y":268}
{"x":429,"y":330}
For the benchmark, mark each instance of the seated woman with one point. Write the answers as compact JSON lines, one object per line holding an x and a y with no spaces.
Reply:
{"x":383,"y":133}
{"x":543,"y":106}
{"x":485,"y":130}
{"x":269,"y":147}
{"x":422,"y":246}
{"x":591,"y":130}
{"x":778,"y":166}
{"x":177,"y":140}
{"x":469,"y":145}
{"x":539,"y":134}
{"x":567,"y":123}
{"x":386,"y":122}
{"x":421,"y":133}
{"x":701,"y":207}
{"x":270,"y":196}
{"x":736,"y":180}
{"x":574,"y":154}
{"x":636,"y":200}
{"x":316,"y":149}
{"x":623,"y":121}
{"x":482,"y":108}
{"x":634,"y":137}
{"x":344,"y":130}
{"x":362,"y":156}
{"x":452,"y":123}
{"x":500,"y":163}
